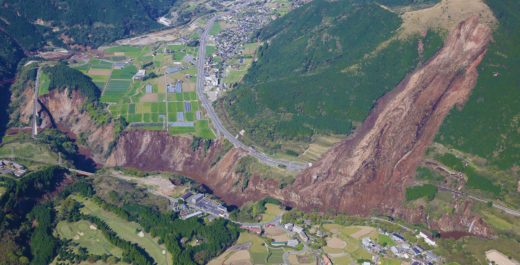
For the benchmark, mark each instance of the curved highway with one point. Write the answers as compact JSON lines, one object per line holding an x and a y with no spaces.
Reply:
{"x":216,"y":121}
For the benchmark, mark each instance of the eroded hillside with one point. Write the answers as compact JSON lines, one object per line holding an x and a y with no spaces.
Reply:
{"x":378,"y":161}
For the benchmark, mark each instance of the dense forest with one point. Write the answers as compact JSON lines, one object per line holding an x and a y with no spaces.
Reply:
{"x":88,"y":23}
{"x":315,"y":77}
{"x":10,"y":55}
{"x":488,"y":124}
{"x":61,"y":77}
{"x":21,"y":242}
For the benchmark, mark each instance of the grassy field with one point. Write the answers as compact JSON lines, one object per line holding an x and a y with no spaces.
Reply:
{"x":385,"y":240}
{"x":44,"y":84}
{"x":131,"y":51}
{"x":215,"y":29}
{"x":82,"y":233}
{"x":257,"y":251}
{"x":30,"y":151}
{"x":272,"y":210}
{"x":202,"y":129}
{"x":126,"y":230}
{"x":100,"y":65}
{"x":210,"y":50}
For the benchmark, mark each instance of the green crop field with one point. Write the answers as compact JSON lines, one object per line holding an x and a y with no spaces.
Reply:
{"x":426,"y":190}
{"x":126,"y":230}
{"x":126,"y":72}
{"x":202,"y":129}
{"x":115,"y":91}
{"x":128,"y":50}
{"x":93,"y":240}
{"x":181,"y":130}
{"x":101,"y":65}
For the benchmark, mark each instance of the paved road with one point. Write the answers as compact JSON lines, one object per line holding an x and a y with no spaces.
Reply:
{"x":35,"y":104}
{"x":276,"y":220}
{"x":460,"y":193}
{"x":390,"y":222}
{"x":215,"y":119}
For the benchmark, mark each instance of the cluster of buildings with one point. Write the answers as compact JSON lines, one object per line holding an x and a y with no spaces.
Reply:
{"x":403,"y":249}
{"x":7,"y":166}
{"x":197,"y":204}
{"x":298,"y":230}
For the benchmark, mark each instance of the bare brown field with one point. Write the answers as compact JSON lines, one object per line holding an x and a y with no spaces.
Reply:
{"x":499,"y":258}
{"x":300,"y":260}
{"x":321,"y":145}
{"x":188,"y":86}
{"x":241,"y":257}
{"x":364,"y":230}
{"x":149,"y":98}
{"x":335,"y":242}
{"x":99,"y":72}
{"x":277,"y":234}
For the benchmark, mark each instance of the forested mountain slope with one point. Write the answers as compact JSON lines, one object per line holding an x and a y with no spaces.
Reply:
{"x":89,"y":23}
{"x":321,"y":68}
{"x":488,"y":125}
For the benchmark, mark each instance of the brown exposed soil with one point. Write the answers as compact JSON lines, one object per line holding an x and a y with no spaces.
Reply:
{"x":367,"y":171}
{"x":459,"y":225}
{"x":157,"y":150}
{"x":371,"y":169}
{"x":63,"y":110}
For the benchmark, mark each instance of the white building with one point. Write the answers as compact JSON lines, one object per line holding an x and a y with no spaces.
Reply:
{"x":303,"y":236}
{"x":139,"y":75}
{"x":288,"y":226}
{"x":427,"y":238}
{"x":297,"y":229}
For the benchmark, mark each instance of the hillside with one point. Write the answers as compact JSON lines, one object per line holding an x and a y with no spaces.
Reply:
{"x":65,"y":21}
{"x":488,"y":124}
{"x":320,"y":70}
{"x":71,"y":105}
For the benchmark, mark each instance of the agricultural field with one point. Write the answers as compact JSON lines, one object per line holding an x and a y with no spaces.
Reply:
{"x":127,"y":230}
{"x":344,"y":242}
{"x":148,"y":103}
{"x":250,"y":249}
